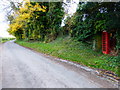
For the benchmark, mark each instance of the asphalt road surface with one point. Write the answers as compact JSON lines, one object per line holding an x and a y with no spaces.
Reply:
{"x":24,"y":68}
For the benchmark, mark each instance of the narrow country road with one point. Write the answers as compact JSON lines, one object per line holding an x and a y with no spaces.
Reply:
{"x":24,"y":68}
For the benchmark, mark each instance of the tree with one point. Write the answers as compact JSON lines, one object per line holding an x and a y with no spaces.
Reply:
{"x":37,"y":21}
{"x":25,"y":14}
{"x":94,"y":17}
{"x":54,"y":17}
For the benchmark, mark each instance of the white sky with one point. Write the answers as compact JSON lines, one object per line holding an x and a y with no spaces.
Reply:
{"x":70,"y":9}
{"x":4,"y":24}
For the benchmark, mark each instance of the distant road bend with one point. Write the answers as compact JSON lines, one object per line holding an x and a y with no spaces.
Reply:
{"x":24,"y":68}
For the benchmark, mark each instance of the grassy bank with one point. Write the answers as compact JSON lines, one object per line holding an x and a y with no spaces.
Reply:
{"x":69,"y":49}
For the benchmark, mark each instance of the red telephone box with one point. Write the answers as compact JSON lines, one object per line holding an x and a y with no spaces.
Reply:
{"x":105,"y":42}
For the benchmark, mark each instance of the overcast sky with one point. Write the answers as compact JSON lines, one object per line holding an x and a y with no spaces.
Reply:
{"x":4,"y":24}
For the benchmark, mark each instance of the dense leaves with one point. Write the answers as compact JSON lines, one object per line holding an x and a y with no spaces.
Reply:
{"x":42,"y":21}
{"x":92,"y":18}
{"x":36,"y":21}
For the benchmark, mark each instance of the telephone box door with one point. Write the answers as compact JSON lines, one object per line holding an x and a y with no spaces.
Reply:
{"x":105,"y":42}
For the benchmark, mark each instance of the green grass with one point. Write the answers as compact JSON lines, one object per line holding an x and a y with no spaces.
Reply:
{"x":69,"y":49}
{"x":3,"y":40}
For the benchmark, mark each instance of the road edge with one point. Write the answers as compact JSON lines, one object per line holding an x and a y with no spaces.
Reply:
{"x":98,"y":72}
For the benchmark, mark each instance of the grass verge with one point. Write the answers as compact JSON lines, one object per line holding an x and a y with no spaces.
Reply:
{"x":3,"y":40}
{"x":69,"y":49}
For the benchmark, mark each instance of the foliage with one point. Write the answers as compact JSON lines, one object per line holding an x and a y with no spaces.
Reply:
{"x":23,"y":16}
{"x":113,"y":62}
{"x":118,"y":39}
{"x":54,"y":17}
{"x":93,"y":17}
{"x":36,"y":20}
